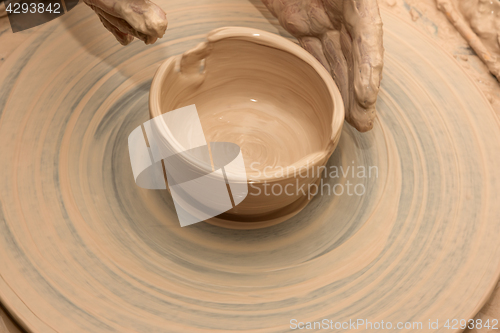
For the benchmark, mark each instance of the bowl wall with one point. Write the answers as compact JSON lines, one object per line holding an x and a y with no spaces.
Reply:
{"x":267,"y":95}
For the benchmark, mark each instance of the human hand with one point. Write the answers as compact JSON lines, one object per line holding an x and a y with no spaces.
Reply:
{"x":346,"y":37}
{"x":127,"y":19}
{"x":477,"y":22}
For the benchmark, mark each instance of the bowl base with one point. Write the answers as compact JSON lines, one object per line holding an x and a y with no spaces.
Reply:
{"x":231,"y":221}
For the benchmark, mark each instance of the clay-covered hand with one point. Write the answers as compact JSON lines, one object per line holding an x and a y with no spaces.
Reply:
{"x":127,"y":19}
{"x":346,"y":37}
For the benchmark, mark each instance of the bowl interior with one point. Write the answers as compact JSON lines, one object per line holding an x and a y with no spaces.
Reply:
{"x":270,"y":102}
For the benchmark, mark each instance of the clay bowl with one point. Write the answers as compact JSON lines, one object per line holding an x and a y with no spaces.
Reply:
{"x":270,"y":97}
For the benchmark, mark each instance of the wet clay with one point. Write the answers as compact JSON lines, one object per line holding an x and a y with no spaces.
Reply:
{"x":478,"y":21}
{"x":271,"y":98}
{"x":85,"y":250}
{"x":270,"y":102}
{"x":436,"y":25}
{"x":127,"y":19}
{"x":346,"y":37}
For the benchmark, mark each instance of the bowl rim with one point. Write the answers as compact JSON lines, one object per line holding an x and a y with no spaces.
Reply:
{"x":265,"y":38}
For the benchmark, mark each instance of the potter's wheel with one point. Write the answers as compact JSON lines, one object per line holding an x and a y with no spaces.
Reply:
{"x":85,"y":250}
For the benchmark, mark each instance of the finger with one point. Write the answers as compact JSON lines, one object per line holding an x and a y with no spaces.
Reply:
{"x":361,"y":117}
{"x":352,"y":115}
{"x":363,"y":22}
{"x":313,"y":45}
{"x":121,"y":37}
{"x":333,"y":8}
{"x":142,"y":15}
{"x":338,"y":64}
{"x":146,"y":17}
{"x":121,"y":25}
{"x":293,"y":17}
{"x":319,"y":21}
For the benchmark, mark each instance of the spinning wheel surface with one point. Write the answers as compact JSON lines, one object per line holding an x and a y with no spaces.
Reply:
{"x":86,"y":250}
